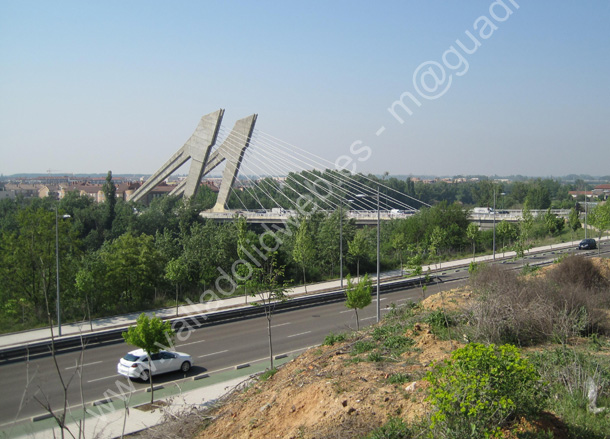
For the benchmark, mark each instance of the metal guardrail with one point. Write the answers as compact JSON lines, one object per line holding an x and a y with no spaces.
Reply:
{"x":44,"y":347}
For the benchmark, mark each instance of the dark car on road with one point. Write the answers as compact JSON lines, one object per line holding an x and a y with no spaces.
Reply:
{"x":587,"y":244}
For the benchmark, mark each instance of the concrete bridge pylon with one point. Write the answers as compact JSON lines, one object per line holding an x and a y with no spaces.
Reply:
{"x":199,"y":149}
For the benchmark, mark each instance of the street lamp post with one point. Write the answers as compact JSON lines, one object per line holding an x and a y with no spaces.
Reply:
{"x":57,"y":267}
{"x":341,"y":242}
{"x":494,"y":234}
{"x":378,"y":241}
{"x":378,"y":228}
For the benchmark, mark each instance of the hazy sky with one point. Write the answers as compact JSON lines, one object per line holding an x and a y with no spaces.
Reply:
{"x":120,"y":85}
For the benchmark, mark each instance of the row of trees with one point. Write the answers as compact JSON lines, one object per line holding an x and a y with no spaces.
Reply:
{"x":535,"y":193}
{"x":117,"y":256}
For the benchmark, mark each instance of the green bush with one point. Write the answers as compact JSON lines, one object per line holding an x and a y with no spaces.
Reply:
{"x":362,"y":346}
{"x":479,"y":389}
{"x":331,"y":339}
{"x":395,"y":428}
{"x":268,"y":374}
{"x":439,"y":319}
{"x":385,"y":331}
{"x":398,"y":342}
{"x":375,"y":357}
{"x":399,"y":378}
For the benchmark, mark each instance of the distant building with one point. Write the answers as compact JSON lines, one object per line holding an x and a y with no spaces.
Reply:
{"x":24,"y":189}
{"x":602,"y":190}
{"x":7,"y":194}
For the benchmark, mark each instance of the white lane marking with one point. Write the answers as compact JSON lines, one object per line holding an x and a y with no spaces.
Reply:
{"x":368,"y":318}
{"x":213,"y":353}
{"x":341,"y":312}
{"x":281,"y":324}
{"x":86,"y":364}
{"x":186,"y":344}
{"x":104,"y":378}
{"x":301,"y":333}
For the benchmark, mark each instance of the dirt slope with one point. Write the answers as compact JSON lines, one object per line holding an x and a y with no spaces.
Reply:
{"x":324,"y":393}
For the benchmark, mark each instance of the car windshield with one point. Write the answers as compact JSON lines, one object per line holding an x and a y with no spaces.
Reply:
{"x":131,"y":357}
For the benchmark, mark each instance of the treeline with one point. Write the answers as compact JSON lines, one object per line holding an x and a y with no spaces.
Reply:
{"x":118,"y":256}
{"x":331,"y":185}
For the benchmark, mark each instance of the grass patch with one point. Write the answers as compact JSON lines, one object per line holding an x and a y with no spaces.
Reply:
{"x":331,"y":339}
{"x":362,"y":346}
{"x":267,"y":374}
{"x":399,"y":378}
{"x":375,"y":357}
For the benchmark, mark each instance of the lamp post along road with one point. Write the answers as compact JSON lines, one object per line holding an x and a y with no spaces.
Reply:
{"x":378,"y":264}
{"x":378,"y":228}
{"x":57,"y":267}
{"x":341,"y":242}
{"x":494,"y":234}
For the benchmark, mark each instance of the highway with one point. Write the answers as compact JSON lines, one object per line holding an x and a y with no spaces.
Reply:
{"x":214,"y":347}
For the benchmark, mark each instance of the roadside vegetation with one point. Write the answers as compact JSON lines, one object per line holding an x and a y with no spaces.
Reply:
{"x":513,"y":355}
{"x":123,"y":257}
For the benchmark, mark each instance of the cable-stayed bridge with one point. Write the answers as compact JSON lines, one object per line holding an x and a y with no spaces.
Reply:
{"x":277,"y":180}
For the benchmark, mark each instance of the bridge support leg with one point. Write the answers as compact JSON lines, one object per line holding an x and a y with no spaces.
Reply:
{"x":197,"y":148}
{"x":232,"y":150}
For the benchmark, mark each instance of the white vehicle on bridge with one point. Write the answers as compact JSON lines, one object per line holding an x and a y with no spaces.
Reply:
{"x":482,"y":210}
{"x":135,"y":364}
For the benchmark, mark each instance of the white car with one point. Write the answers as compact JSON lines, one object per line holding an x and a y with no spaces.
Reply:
{"x":135,"y":363}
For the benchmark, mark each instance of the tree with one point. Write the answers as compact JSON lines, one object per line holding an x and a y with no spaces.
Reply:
{"x":109,"y":190}
{"x":149,"y":334}
{"x":244,"y":237}
{"x":526,"y":224}
{"x":358,"y":248}
{"x":400,"y":244}
{"x":266,"y":284}
{"x":359,"y":295}
{"x":553,"y":223}
{"x":176,"y":272}
{"x":133,"y":268}
{"x":415,"y":264}
{"x":472,"y":232}
{"x":600,"y":219}
{"x":573,"y":222}
{"x":27,"y":259}
{"x":506,"y":231}
{"x":304,"y":251}
{"x":538,"y":196}
{"x":437,"y":240}
{"x":525,"y":228}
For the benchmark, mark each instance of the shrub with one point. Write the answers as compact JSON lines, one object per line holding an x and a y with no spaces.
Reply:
{"x":395,"y":428}
{"x":399,"y":378}
{"x":570,"y":370}
{"x":375,"y":357}
{"x":268,"y":374}
{"x":572,"y":375}
{"x":576,"y":270}
{"x":363,"y":346}
{"x":523,"y":311}
{"x":479,"y":389}
{"x":398,"y":342}
{"x":331,"y":339}
{"x":385,"y":331}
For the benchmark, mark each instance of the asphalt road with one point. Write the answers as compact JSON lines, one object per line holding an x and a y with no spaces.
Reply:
{"x":213,"y":347}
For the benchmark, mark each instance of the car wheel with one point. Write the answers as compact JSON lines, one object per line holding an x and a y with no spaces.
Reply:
{"x":144,"y":375}
{"x":186,"y":366}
